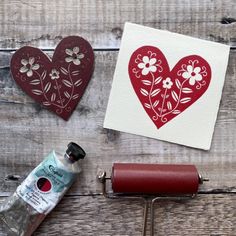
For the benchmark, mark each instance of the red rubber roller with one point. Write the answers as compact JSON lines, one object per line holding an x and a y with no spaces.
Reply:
{"x":159,"y":179}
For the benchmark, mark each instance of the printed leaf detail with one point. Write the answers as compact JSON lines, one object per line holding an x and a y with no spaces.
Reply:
{"x":35,"y":82}
{"x":185,"y":100}
{"x":67,"y":83}
{"x":37,"y":92}
{"x":163,"y":92}
{"x":178,"y":84}
{"x":169,"y":106}
{"x":155,"y":103}
{"x":187,"y":90}
{"x":174,"y":95}
{"x":158,"y":80}
{"x":146,"y":82}
{"x":64,"y":71}
{"x":155,"y":92}
{"x":147,"y":105}
{"x":176,"y":111}
{"x":144,"y":92}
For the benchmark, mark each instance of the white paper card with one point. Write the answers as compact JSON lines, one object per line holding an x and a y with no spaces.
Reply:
{"x":167,"y":86}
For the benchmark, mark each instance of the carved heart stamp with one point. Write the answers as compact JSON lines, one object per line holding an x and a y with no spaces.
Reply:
{"x":165,"y":93}
{"x":57,"y":83}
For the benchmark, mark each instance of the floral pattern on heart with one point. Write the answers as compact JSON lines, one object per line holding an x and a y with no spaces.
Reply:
{"x":59,"y":82}
{"x":56,"y":97}
{"x":165,"y":93}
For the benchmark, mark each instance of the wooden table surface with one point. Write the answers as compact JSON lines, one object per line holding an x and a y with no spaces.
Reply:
{"x":28,"y":131}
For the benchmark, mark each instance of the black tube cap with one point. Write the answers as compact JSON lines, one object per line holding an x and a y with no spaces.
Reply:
{"x":75,"y":152}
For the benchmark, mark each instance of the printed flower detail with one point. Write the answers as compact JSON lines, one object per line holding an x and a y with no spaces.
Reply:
{"x":74,"y":55}
{"x":167,"y":83}
{"x":147,"y":65}
{"x":193,"y":74}
{"x":54,"y":74}
{"x":28,"y":66}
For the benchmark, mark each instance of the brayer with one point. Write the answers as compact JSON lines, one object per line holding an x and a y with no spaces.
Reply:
{"x":152,"y":181}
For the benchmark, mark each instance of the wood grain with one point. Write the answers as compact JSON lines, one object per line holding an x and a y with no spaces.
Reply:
{"x":28,"y":132}
{"x":95,"y":215}
{"x":44,"y":23}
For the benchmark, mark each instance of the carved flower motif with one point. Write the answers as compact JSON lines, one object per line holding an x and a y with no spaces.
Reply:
{"x":28,"y":66}
{"x":167,"y":83}
{"x":193,"y":74}
{"x":148,"y":65}
{"x":74,"y":55}
{"x":54,"y":74}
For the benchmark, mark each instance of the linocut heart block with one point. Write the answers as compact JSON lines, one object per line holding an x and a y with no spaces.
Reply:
{"x":167,"y":86}
{"x":57,"y":83}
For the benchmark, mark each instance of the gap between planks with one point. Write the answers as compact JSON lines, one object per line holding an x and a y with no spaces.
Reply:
{"x":94,"y":49}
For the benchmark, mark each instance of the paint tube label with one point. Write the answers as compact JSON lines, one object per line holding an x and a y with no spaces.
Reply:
{"x":46,"y":184}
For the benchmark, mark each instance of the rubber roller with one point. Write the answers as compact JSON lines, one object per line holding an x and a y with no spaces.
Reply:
{"x":159,"y":179}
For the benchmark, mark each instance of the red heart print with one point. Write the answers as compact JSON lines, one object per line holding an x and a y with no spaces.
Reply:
{"x":58,"y":83}
{"x":165,"y":93}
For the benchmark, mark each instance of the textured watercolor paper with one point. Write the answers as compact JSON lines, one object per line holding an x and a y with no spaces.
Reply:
{"x":167,"y":86}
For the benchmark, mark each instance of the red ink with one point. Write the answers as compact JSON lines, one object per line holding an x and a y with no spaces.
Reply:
{"x":165,"y":93}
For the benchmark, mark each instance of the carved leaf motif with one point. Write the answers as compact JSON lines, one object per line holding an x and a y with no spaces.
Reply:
{"x":47,"y":87}
{"x":64,"y":71}
{"x":67,"y":83}
{"x":35,"y":82}
{"x":44,"y":75}
{"x":46,"y":103}
{"x":67,"y":94}
{"x":53,"y":97}
{"x":37,"y":92}
{"x":75,"y":96}
{"x":76,"y":72}
{"x":78,"y":83}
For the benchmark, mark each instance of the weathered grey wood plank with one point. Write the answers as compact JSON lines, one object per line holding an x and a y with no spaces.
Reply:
{"x":44,"y":23}
{"x":206,"y":215}
{"x":28,"y":132}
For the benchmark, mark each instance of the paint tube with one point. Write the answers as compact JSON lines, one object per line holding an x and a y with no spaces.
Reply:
{"x":39,"y":193}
